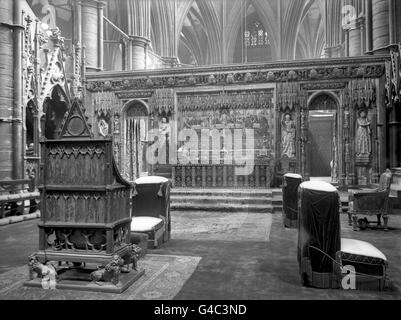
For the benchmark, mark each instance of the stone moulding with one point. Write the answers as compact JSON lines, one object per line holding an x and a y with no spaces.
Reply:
{"x":307,"y":70}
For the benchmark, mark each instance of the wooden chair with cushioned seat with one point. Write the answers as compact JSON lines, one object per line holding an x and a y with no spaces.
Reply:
{"x":370,"y":202}
{"x":151,"y":209}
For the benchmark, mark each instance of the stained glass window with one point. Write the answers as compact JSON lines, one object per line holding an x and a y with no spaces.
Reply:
{"x":256,"y":36}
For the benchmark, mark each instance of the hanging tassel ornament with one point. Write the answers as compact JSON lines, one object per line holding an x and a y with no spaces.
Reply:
{"x":160,"y":193}
{"x":135,"y":193}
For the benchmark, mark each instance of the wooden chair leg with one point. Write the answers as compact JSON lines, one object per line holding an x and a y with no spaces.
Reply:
{"x":385,"y":219}
{"x":379,"y":221}
{"x":355,"y":222}
{"x":349,"y":219}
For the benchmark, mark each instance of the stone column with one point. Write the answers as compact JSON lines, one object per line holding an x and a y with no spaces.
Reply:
{"x":368,"y":26}
{"x":11,"y":128}
{"x":139,"y":47}
{"x":380,"y":25}
{"x":6,"y":89}
{"x":18,"y":138}
{"x":92,"y":32}
{"x":139,"y":32}
{"x":355,"y":40}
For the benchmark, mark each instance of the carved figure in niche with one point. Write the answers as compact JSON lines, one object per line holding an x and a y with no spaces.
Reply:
{"x":187,"y":121}
{"x":164,"y":129}
{"x":288,"y":130}
{"x":223,"y":119}
{"x":30,"y":149}
{"x":103,"y":128}
{"x":363,"y":135}
{"x":116,"y":124}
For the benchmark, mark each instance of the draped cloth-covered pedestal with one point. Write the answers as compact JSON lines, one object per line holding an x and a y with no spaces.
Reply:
{"x":325,"y":260}
{"x":290,"y":199}
{"x":319,"y":231}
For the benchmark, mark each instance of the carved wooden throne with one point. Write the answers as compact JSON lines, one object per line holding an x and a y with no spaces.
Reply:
{"x":85,"y":211}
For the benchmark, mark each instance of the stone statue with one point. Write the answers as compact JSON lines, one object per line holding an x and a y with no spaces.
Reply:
{"x":109,"y":273}
{"x":47,"y":272}
{"x":103,"y":128}
{"x":363,"y":138}
{"x":288,"y":137}
{"x":164,"y":129}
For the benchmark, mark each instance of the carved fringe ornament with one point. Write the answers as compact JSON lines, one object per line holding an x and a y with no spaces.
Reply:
{"x":360,"y":93}
{"x":106,"y":104}
{"x":232,"y":100}
{"x":393,"y":77}
{"x":162,"y":102}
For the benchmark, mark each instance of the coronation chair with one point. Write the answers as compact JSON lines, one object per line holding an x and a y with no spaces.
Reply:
{"x":290,"y":199}
{"x":370,"y":202}
{"x":324,"y":258}
{"x":151,"y":209}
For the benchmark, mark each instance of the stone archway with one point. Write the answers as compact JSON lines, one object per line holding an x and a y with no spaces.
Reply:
{"x":135,"y":127}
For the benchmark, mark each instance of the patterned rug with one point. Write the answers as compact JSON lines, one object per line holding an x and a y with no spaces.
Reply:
{"x":164,"y":277}
{"x":221,"y":226}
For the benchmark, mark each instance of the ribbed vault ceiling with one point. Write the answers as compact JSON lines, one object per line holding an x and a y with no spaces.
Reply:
{"x":207,"y":31}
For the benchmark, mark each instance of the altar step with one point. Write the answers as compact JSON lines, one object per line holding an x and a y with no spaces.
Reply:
{"x":227,"y":200}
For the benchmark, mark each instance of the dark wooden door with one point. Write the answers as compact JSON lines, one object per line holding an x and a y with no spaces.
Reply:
{"x":321,"y":145}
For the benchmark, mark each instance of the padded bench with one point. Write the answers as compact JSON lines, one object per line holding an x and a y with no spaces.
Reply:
{"x":369,"y":262}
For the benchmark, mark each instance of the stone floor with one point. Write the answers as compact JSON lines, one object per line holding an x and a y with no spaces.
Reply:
{"x":236,"y":261}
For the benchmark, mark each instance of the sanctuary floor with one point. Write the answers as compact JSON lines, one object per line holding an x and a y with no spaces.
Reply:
{"x":238,"y":256}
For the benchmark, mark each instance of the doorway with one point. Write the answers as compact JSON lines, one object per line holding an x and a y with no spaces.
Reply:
{"x":321,"y":130}
{"x":136,"y":117}
{"x":322,"y":136}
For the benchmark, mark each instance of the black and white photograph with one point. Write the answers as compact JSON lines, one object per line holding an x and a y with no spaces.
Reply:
{"x":176,"y":151}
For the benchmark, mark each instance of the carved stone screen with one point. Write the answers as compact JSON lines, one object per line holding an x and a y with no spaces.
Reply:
{"x":233,"y":129}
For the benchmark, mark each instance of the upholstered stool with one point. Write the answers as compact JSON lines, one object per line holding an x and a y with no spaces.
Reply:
{"x":370,"y":265}
{"x":290,"y":199}
{"x":152,"y":227}
{"x":141,"y":240}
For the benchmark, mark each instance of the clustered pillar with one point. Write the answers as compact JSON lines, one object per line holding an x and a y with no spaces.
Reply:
{"x":380,"y":25}
{"x":89,"y":32}
{"x":139,"y":32}
{"x":11,"y":150}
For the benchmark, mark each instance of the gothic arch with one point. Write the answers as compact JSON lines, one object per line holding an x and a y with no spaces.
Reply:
{"x":134,"y":102}
{"x":318,"y":94}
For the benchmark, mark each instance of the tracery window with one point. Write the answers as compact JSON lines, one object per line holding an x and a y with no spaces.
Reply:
{"x":256,"y":36}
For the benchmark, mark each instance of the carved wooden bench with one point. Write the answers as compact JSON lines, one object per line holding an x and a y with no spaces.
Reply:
{"x":18,"y":197}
